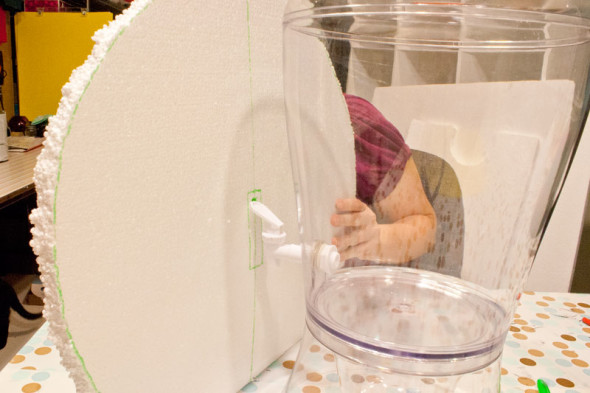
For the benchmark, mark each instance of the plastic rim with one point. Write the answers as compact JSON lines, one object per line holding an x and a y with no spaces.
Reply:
{"x":577,"y":29}
{"x":410,"y":359}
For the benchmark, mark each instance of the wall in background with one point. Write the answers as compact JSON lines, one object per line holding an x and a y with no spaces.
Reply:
{"x":557,"y":264}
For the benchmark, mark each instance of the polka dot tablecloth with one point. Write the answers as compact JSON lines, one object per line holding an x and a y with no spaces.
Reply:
{"x":547,"y":340}
{"x":36,"y":368}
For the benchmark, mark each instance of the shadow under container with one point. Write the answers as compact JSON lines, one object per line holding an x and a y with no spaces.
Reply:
{"x":445,"y":132}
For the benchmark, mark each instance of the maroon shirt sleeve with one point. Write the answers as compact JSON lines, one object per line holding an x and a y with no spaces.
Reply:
{"x":381,"y":152}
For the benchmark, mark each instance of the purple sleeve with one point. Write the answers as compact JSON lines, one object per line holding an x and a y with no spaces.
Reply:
{"x":381,"y":153}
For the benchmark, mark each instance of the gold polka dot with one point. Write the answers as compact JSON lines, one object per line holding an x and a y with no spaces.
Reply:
{"x":570,"y":354}
{"x":588,"y":345}
{"x":579,"y":363}
{"x":289,"y":364}
{"x":519,"y":336}
{"x":31,"y":388}
{"x":536,"y":352}
{"x":42,"y":350}
{"x":528,"y":329}
{"x":311,"y":389}
{"x":542,"y":304}
{"x":531,"y":391}
{"x":578,"y":310}
{"x":504,"y":371}
{"x":17,"y":359}
{"x":565,"y":382}
{"x":529,"y":292}
{"x":526,"y":381}
{"x":528,"y":362}
{"x":329,"y":357}
{"x":314,"y":377}
{"x":516,"y":316}
{"x":28,"y":368}
{"x":543,"y":316}
{"x":549,"y":298}
{"x":521,"y":322}
{"x":514,"y":329}
{"x":357,"y":378}
{"x":585,"y":305}
{"x":568,"y":304}
{"x":567,"y":337}
{"x":314,"y":348}
{"x":374,"y":379}
{"x":428,"y":381}
{"x":560,"y":345}
{"x":586,"y":330}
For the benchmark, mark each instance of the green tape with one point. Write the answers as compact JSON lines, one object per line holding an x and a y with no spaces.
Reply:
{"x":542,"y":386}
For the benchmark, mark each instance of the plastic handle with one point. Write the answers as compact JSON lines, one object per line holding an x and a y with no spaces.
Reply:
{"x":260,"y":210}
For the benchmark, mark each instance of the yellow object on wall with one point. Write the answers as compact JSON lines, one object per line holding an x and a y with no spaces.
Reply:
{"x":49,"y":46}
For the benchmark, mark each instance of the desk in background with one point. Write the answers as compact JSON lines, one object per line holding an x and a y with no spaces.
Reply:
{"x":547,"y":340}
{"x":16,"y":176}
{"x":17,"y":199}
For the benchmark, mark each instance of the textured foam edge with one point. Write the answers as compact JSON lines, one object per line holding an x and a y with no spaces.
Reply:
{"x":46,"y":179}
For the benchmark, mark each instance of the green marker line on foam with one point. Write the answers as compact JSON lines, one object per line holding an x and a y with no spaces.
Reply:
{"x":256,"y":230}
{"x":252,"y":130}
{"x":254,"y":237}
{"x":58,"y":178}
{"x":254,"y":233}
{"x":253,"y":330}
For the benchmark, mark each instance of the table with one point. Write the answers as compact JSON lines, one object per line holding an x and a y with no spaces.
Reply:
{"x":547,"y":340}
{"x":17,"y":198}
{"x":16,"y":176}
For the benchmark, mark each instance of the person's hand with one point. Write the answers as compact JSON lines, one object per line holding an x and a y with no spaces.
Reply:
{"x":360,"y":231}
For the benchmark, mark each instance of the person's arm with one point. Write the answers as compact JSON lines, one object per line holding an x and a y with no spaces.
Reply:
{"x":399,"y":228}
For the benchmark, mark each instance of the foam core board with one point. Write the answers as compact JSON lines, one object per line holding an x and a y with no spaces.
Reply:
{"x":501,"y":139}
{"x":160,"y":139}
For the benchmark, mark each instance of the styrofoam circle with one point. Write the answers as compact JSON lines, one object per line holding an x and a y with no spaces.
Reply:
{"x":142,"y":230}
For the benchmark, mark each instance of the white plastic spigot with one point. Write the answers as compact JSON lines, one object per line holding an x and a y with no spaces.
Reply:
{"x":272,"y":226}
{"x":274,"y":236}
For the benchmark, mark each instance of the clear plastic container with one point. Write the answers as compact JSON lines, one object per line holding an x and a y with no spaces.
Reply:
{"x":429,"y":143}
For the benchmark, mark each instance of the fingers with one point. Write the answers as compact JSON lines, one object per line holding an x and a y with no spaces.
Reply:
{"x":349,"y":205}
{"x":348,"y":254}
{"x":352,"y":219}
{"x":360,"y":230}
{"x":351,"y":212}
{"x":364,"y":250}
{"x":352,"y":239}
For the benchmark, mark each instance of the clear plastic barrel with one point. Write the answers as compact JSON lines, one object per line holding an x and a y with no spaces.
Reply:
{"x":429,"y":143}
